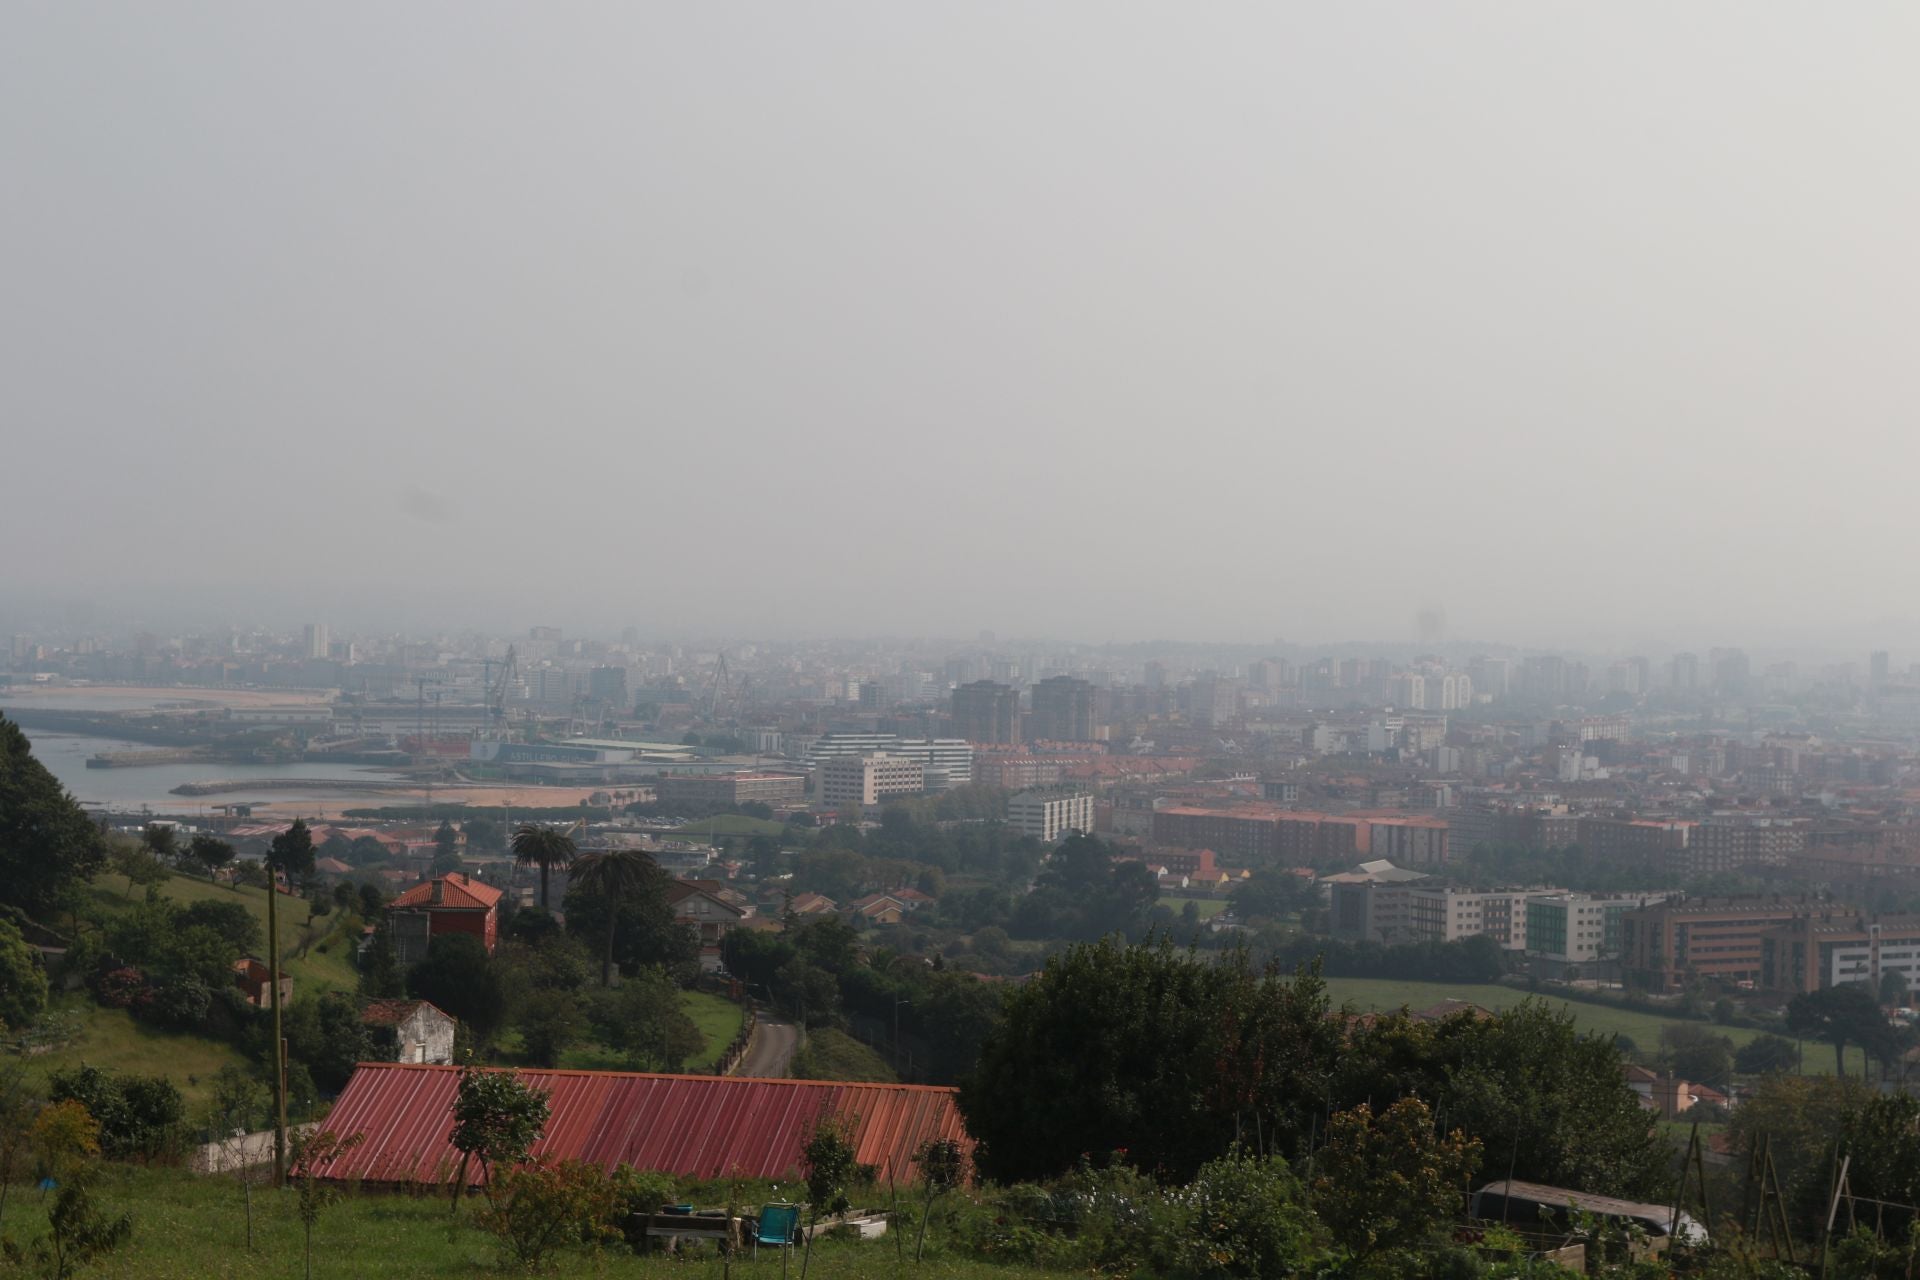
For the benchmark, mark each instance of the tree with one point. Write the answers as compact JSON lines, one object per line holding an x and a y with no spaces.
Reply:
{"x":1247,"y":1216}
{"x":549,"y":1026}
{"x":23,"y":984}
{"x":808,"y":990}
{"x":1543,"y":1097}
{"x":139,"y":1116}
{"x":459,"y":977}
{"x":18,"y":1112}
{"x":1271,"y":893}
{"x":497,"y":1117}
{"x":380,"y":966}
{"x":325,"y":1032}
{"x":1800,"y":1116}
{"x":67,"y":1145}
{"x":1692,"y":1052}
{"x":1882,"y":1135}
{"x":161,"y":840}
{"x":613,"y":878}
{"x":1159,"y":1053}
{"x":1766,"y":1055}
{"x":644,"y":1019}
{"x":943,"y":1167}
{"x":545,"y":848}
{"x":1390,"y":1181}
{"x":236,"y":925}
{"x":214,"y":853}
{"x":138,"y":863}
{"x":366,"y":851}
{"x":1840,"y":1016}
{"x":1893,"y":987}
{"x":291,"y":852}
{"x":829,"y":1161}
{"x":239,"y":1105}
{"x":312,"y":1153}
{"x":48,"y":848}
{"x":957,"y":1013}
{"x":484,"y":835}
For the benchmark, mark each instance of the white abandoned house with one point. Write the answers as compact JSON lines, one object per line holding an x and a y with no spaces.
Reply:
{"x":409,"y":1031}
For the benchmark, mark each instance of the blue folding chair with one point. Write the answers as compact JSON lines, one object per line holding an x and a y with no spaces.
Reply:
{"x":778,"y":1224}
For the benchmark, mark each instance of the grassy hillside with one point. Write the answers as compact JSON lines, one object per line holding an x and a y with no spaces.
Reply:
{"x":317,"y":950}
{"x":718,"y":1019}
{"x":189,"y":1228}
{"x":835,"y":1055}
{"x":1643,"y":1029}
{"x":112,"y":1039}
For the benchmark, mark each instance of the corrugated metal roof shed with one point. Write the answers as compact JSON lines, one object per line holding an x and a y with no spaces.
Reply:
{"x":689,"y":1126}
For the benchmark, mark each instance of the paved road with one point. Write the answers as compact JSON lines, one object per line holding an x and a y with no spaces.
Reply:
{"x":771,"y":1050}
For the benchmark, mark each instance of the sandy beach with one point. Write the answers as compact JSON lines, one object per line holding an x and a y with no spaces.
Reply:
{"x":477,"y":797}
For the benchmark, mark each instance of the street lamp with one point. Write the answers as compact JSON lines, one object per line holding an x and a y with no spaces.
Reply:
{"x":896,"y":1027}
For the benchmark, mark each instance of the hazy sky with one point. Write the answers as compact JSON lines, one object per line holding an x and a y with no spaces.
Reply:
{"x":1098,"y":320}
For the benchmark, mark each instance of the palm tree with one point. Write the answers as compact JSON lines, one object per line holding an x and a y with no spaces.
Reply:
{"x":545,"y":848}
{"x":613,"y":876}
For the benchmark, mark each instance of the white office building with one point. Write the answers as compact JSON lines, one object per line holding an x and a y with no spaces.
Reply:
{"x":1050,"y":816}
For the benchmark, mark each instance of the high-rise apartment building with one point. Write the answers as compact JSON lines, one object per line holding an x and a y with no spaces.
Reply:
{"x":1490,"y":675}
{"x":1063,"y":710}
{"x":315,"y":640}
{"x":987,"y":712}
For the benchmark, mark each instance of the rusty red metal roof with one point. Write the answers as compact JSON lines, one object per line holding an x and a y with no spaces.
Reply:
{"x":688,"y":1126}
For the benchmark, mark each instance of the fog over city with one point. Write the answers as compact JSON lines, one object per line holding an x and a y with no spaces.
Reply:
{"x":1541,"y":324}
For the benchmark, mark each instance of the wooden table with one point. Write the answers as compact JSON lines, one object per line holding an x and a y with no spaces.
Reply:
{"x":671,"y":1228}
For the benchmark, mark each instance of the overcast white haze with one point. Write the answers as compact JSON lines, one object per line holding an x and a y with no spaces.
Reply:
{"x":1100,"y":321}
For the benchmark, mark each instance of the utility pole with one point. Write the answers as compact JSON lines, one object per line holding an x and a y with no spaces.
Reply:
{"x":279,"y":1043}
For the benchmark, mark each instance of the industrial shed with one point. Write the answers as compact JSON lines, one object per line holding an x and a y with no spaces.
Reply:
{"x":688,"y":1126}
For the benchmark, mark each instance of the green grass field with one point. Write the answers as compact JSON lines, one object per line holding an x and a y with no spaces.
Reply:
{"x":1383,"y":994}
{"x":1209,"y":907}
{"x":718,"y":1019}
{"x":191,"y":1228}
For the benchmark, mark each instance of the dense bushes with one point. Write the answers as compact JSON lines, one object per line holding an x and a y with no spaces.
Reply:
{"x":139,"y":1117}
{"x":1171,"y":1056}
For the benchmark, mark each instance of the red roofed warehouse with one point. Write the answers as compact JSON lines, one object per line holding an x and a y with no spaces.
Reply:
{"x":445,"y":904}
{"x":688,"y":1126}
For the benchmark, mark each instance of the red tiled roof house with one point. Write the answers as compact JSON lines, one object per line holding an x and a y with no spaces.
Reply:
{"x":445,"y":904}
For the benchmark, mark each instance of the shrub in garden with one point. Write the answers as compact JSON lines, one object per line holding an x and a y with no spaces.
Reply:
{"x":1245,"y":1216}
{"x":535,"y":1209}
